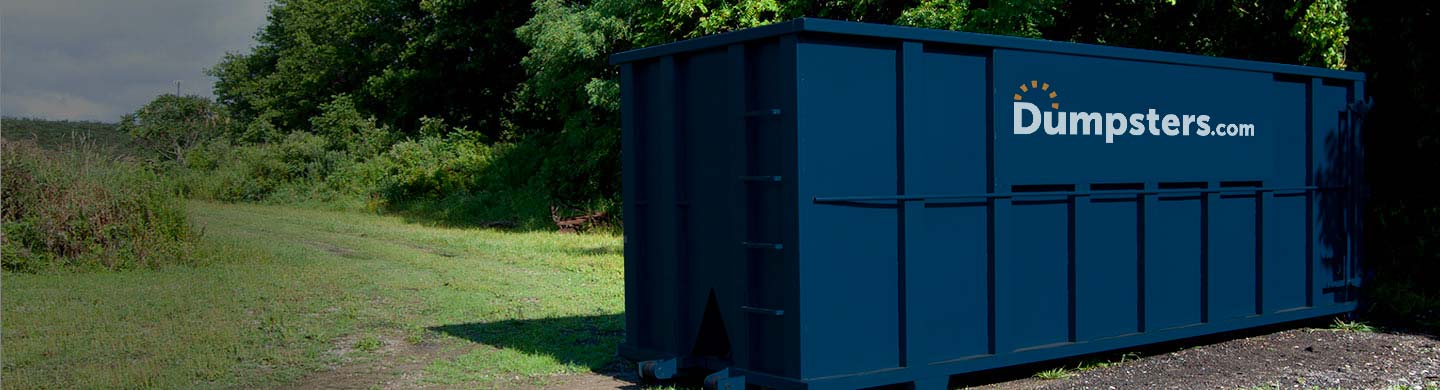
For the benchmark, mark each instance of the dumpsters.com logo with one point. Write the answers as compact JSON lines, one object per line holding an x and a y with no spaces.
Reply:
{"x":1030,"y":118}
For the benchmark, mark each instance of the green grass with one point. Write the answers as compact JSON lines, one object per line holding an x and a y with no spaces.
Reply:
{"x":1052,"y":374}
{"x":1091,"y":364}
{"x":289,"y":287}
{"x":1351,"y":326}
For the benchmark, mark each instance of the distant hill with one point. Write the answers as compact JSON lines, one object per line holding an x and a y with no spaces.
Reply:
{"x":62,"y":134}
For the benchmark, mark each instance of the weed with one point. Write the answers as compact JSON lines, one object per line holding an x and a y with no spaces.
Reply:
{"x":1351,"y":326}
{"x":1088,"y":365}
{"x":84,"y":209}
{"x":1052,"y":374}
{"x":369,"y":343}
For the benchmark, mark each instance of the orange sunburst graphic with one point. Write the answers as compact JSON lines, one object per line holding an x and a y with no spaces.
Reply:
{"x":1043,"y":87}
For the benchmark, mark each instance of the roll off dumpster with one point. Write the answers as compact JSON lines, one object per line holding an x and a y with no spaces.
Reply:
{"x":834,"y":205}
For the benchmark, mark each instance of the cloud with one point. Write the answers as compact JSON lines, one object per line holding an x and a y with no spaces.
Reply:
{"x":96,"y":60}
{"x":37,"y":103}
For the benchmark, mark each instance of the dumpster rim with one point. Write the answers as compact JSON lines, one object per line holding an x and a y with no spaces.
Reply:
{"x":906,"y":33}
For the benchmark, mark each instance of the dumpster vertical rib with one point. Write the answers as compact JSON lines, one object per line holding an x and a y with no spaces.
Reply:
{"x":663,"y":205}
{"x":1347,"y":156}
{"x":1312,"y":90}
{"x":1070,"y":267}
{"x":1260,"y":251}
{"x":989,"y":135}
{"x":630,"y":189}
{"x":790,"y":194}
{"x":740,"y":346}
{"x":909,"y":78}
{"x":681,"y":204}
{"x":1205,"y":250}
{"x":1357,"y":203}
{"x":1141,"y":203}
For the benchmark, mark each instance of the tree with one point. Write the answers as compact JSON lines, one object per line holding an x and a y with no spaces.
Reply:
{"x":171,"y":125}
{"x":399,"y":61}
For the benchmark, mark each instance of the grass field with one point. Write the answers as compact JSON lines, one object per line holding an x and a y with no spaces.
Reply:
{"x":286,"y":293}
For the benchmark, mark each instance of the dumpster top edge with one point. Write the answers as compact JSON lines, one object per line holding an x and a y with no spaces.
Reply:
{"x":969,"y":39}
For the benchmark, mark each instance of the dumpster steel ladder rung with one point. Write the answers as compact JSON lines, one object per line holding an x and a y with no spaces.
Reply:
{"x":762,"y":245}
{"x":769,"y":112}
{"x":762,"y":179}
{"x":761,"y":310}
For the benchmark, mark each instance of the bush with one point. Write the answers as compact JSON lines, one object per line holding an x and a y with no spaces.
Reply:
{"x":82,"y":210}
{"x":258,"y":172}
{"x":169,"y":126}
{"x":430,"y":168}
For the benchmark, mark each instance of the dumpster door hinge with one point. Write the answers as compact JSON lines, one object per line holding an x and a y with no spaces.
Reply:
{"x":721,"y":380}
{"x":653,"y":370}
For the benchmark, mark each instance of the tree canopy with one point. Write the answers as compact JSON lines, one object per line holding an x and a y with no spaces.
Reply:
{"x":531,"y":75}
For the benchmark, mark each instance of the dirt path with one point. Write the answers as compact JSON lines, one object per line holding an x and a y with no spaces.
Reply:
{"x":396,"y":364}
{"x":1300,"y":358}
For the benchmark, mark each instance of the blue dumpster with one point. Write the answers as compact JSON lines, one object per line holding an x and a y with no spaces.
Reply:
{"x":834,"y":205}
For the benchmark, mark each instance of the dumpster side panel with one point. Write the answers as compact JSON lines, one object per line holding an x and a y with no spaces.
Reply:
{"x":1330,"y":168}
{"x":651,"y":265}
{"x":706,"y":205}
{"x":770,"y":280}
{"x":848,"y":255}
{"x":1285,"y":282}
{"x":1107,"y":269}
{"x":946,"y":242}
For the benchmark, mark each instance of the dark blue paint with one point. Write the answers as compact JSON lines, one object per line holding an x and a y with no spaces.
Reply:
{"x":1172,"y":261}
{"x":1107,"y":269}
{"x":945,"y":242}
{"x":906,"y":232}
{"x":1231,"y":256}
{"x":847,"y":145}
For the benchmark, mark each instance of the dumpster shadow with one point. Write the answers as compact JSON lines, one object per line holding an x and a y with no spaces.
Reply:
{"x":603,"y":250}
{"x":587,"y":341}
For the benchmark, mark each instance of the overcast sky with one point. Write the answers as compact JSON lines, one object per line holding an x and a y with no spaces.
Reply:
{"x":98,"y":59}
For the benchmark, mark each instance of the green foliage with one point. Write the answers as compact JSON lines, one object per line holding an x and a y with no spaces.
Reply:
{"x":169,"y":126}
{"x":398,"y":60}
{"x":1019,"y":18}
{"x":1324,"y":32}
{"x":58,"y":134}
{"x":258,"y":172}
{"x":79,"y":209}
{"x":346,"y":129}
{"x":431,"y":168}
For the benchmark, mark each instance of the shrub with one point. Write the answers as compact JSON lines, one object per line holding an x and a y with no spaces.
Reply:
{"x":82,"y":210}
{"x":169,"y":126}
{"x":346,"y":129}
{"x":431,"y":168}
{"x":256,"y":172}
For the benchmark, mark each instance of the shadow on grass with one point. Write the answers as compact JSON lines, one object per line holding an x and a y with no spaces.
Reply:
{"x":469,"y":211}
{"x":587,"y":341}
{"x":602,"y":250}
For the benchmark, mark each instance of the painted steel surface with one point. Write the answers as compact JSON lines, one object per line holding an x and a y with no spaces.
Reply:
{"x":823,"y":204}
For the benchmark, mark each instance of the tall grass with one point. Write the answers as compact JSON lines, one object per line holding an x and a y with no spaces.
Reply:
{"x":82,"y":209}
